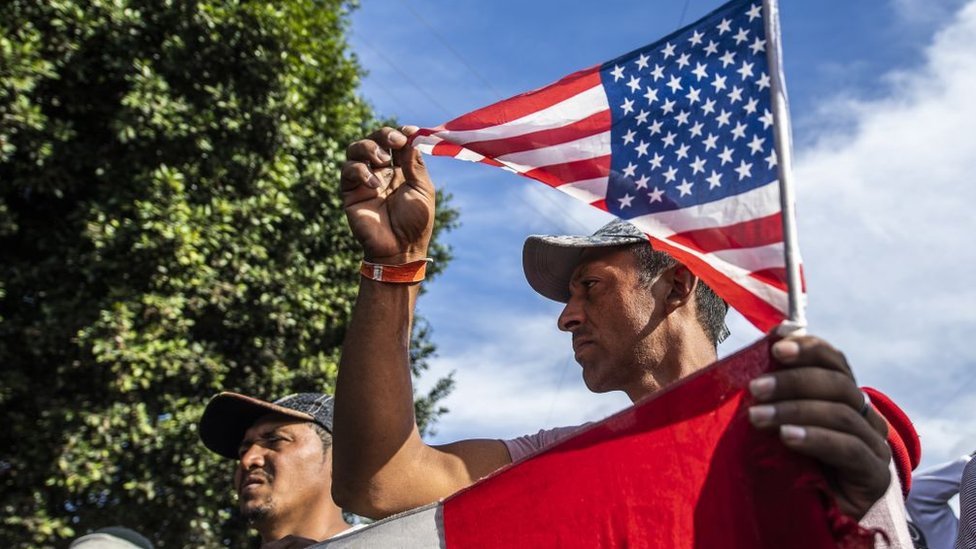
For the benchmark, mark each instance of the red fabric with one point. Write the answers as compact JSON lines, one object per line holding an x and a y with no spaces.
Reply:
{"x":906,"y":449}
{"x":682,"y":469}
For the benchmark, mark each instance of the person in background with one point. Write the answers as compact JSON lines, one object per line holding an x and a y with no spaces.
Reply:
{"x":283,"y":476}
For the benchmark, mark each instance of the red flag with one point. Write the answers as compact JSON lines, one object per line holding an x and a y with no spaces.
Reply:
{"x":682,"y":469}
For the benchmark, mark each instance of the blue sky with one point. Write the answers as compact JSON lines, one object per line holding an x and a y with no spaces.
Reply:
{"x":880,"y":96}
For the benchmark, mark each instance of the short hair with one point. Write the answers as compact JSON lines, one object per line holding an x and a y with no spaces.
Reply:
{"x":710,"y":309}
{"x":324,"y":435}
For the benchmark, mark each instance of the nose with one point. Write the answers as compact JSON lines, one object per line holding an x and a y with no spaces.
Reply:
{"x":571,"y":317}
{"x":252,"y":457}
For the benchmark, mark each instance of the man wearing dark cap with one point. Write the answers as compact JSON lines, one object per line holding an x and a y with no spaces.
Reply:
{"x":284,"y":473}
{"x":639,"y":321}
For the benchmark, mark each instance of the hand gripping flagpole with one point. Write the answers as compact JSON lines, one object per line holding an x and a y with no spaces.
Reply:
{"x":796,"y":323}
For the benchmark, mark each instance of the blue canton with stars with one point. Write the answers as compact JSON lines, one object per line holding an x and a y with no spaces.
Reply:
{"x":692,"y":120}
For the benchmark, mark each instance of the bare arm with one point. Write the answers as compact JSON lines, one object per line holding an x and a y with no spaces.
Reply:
{"x":381,"y":465}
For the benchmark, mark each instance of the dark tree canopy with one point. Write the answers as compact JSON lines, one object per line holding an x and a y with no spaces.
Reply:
{"x":169,"y":228}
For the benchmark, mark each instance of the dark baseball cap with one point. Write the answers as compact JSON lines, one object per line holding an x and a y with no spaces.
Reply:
{"x":229,"y":415}
{"x":548,"y":261}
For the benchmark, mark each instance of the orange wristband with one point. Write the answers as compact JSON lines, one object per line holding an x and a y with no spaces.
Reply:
{"x":415,"y":271}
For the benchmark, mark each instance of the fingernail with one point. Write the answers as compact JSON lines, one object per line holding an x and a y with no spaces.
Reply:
{"x":762,"y":387}
{"x":762,"y":415}
{"x":373,"y":182}
{"x":786,"y":350}
{"x":397,"y":138}
{"x":792,"y":433}
{"x":382,"y":156}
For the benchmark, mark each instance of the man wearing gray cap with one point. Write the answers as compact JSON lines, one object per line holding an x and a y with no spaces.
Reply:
{"x":283,"y":477}
{"x":639,"y":321}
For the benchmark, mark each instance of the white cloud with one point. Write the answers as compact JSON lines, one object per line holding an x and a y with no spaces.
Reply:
{"x":886,"y":229}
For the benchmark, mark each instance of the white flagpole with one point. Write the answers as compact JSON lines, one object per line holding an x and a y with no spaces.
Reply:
{"x":797,"y":321}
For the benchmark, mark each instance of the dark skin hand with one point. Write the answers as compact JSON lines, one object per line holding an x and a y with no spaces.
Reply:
{"x":814,"y":403}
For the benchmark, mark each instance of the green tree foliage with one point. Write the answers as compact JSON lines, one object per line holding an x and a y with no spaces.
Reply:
{"x":169,"y":228}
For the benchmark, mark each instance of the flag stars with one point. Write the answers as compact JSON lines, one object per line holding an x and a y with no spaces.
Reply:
{"x":629,"y":137}
{"x":682,"y":118}
{"x":668,"y":106}
{"x":744,"y":169}
{"x":641,"y":118}
{"x":692,"y":96}
{"x":710,"y":142}
{"x":696,"y":38}
{"x":771,"y":160}
{"x":617,"y":72}
{"x":685,"y":187}
{"x":668,"y":50}
{"x":655,"y":195}
{"x":735,"y":94}
{"x":750,"y":107}
{"x":670,"y":174}
{"x":630,"y":170}
{"x":682,"y":151}
{"x":641,"y":149}
{"x":698,"y":166}
{"x":684,"y":60}
{"x":766,"y":119}
{"x":651,"y":95}
{"x":708,"y":107}
{"x":727,"y":59}
{"x":696,"y":130}
{"x":700,"y":71}
{"x":625,"y":201}
{"x":739,"y":131}
{"x":674,"y":84}
{"x":754,"y":12}
{"x":714,"y":180}
{"x":723,"y":118}
{"x":725,"y":155}
{"x":628,"y":106}
{"x":634,"y":84}
{"x":711,"y":48}
{"x":642,"y":61}
{"x":668,"y":139}
{"x":758,"y":46}
{"x":719,"y":82}
{"x":745,"y":71}
{"x":656,"y":160}
{"x":741,"y":36}
{"x":756,"y":145}
{"x":642,"y":182}
{"x":655,"y":127}
{"x":724,"y":26}
{"x":763,"y":81}
{"x":657,"y":73}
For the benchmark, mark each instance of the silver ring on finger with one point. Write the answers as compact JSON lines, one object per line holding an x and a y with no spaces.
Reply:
{"x":866,"y":405}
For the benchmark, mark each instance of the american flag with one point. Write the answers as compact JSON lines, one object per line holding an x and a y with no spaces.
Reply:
{"x":676,"y":137}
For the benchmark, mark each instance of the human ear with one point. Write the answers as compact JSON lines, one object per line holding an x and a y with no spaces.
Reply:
{"x":682,"y":287}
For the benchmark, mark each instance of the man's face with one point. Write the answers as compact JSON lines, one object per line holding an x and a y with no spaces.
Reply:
{"x":283,"y":469}
{"x":613,"y":318}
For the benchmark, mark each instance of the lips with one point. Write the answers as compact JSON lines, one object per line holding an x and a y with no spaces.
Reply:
{"x":254,"y":479}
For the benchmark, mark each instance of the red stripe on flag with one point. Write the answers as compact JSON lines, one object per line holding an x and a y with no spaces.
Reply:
{"x":527,"y":103}
{"x":775,"y":277}
{"x":591,"y":125}
{"x":446,"y":149}
{"x":580,"y":170}
{"x":757,"y":311}
{"x":747,"y":234}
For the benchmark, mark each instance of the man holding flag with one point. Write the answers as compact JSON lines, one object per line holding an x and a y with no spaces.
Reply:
{"x":687,"y":140}
{"x":628,"y":336}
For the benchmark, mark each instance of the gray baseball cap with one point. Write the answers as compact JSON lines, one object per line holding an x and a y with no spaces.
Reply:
{"x":549,"y":261}
{"x":229,"y":415}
